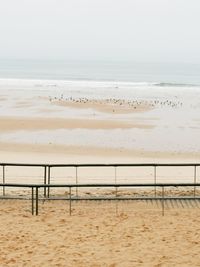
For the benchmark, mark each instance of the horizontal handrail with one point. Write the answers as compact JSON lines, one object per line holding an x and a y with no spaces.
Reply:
{"x":103,"y":165}
{"x":103,"y":185}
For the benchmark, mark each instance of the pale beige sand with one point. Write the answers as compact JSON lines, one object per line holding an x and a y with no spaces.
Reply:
{"x":75,"y":154}
{"x":31,"y":124}
{"x":99,"y":234}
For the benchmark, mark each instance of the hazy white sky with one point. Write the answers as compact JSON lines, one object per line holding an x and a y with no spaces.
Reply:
{"x":141,"y":30}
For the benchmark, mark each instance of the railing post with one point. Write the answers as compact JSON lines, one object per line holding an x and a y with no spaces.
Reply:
{"x":116,"y":206}
{"x":115,"y":180}
{"x":4,"y":192}
{"x":32,"y":199}
{"x":195,"y":179}
{"x":36,"y":203}
{"x":45,"y":181}
{"x":76,"y":180}
{"x":163,"y":205}
{"x":49,"y":181}
{"x":70,"y":200}
{"x":155,"y":178}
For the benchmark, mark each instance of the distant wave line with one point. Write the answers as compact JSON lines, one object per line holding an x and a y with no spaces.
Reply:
{"x":85,"y":82}
{"x":166,"y":84}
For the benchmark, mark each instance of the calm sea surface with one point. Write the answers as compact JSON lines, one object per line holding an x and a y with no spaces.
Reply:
{"x":162,"y":74}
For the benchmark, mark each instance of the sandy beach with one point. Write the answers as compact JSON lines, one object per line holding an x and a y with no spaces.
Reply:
{"x":51,"y":127}
{"x":98,"y":235}
{"x":99,"y":133}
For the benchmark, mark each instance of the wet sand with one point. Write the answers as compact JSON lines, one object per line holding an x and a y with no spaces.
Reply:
{"x":8,"y":124}
{"x":117,"y":106}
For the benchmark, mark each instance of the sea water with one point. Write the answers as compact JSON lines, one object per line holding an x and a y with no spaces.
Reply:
{"x":129,"y":71}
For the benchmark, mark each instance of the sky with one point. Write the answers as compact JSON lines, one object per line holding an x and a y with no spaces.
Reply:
{"x":135,"y":30}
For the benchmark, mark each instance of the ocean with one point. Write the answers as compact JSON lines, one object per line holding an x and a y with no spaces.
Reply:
{"x":116,"y":71}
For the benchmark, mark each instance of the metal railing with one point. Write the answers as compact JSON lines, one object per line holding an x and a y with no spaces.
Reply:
{"x":35,"y":192}
{"x":47,"y":168}
{"x":47,"y":184}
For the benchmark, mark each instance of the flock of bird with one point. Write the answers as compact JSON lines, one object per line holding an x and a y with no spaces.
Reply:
{"x":118,"y":102}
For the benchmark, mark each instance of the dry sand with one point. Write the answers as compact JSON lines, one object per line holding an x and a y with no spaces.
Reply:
{"x":63,"y":153}
{"x":136,"y":234}
{"x":98,"y":233}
